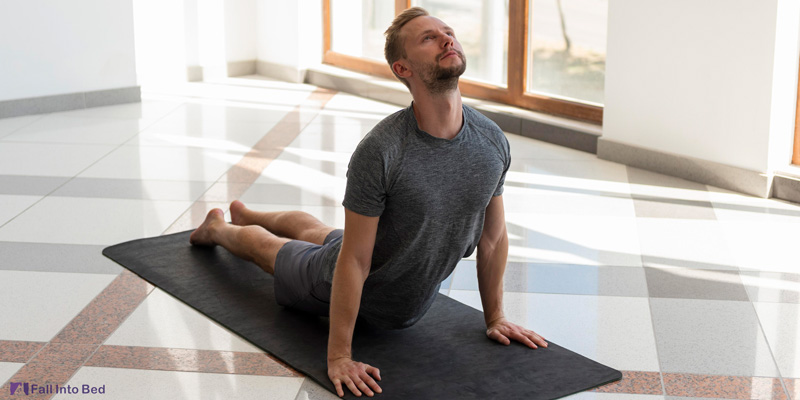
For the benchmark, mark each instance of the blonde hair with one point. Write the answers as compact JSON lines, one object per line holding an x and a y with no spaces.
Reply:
{"x":394,"y":49}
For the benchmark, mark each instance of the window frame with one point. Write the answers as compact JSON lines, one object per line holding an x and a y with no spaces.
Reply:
{"x":796,"y":152}
{"x":515,"y":94}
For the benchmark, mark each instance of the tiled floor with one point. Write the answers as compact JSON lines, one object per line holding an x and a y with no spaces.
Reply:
{"x":692,"y":291}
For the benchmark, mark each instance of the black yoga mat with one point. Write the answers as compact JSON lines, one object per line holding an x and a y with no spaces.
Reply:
{"x":446,"y":355}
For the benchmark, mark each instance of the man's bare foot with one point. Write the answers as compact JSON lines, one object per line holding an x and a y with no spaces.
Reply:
{"x":202,"y":235}
{"x":237,"y":213}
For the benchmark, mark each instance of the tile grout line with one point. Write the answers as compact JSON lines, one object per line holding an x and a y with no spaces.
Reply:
{"x":646,"y":286}
{"x":71,"y":178}
{"x":769,"y":346}
{"x":313,"y":98}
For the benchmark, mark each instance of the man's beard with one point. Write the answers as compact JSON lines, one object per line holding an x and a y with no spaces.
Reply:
{"x":439,"y":80}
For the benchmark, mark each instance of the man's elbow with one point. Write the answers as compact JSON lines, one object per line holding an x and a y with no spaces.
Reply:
{"x":489,"y":244}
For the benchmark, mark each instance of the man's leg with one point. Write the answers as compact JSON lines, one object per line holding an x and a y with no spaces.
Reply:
{"x":289,"y":224}
{"x":251,"y":243}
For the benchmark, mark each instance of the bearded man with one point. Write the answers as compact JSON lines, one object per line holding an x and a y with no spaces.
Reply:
{"x":424,"y":189}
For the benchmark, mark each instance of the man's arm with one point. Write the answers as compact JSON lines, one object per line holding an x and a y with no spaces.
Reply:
{"x":351,"y":271}
{"x":492,"y":257}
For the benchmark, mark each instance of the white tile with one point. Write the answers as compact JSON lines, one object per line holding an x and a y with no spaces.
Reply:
{"x":331,"y":137}
{"x":227,"y":110}
{"x":81,"y":130}
{"x":7,"y":370}
{"x":781,"y":325}
{"x":522,"y":199}
{"x":44,"y":159}
{"x":568,"y":239}
{"x":684,"y":243}
{"x":76,"y":220}
{"x":526,"y":148}
{"x":209,"y":134}
{"x":133,"y":384}
{"x":763,"y":245}
{"x":297,"y":170}
{"x":35,"y":306}
{"x":165,"y":163}
{"x":149,"y":109}
{"x":733,"y":206}
{"x":344,"y":102}
{"x":311,"y":390}
{"x":13,"y":205}
{"x":593,"y":326}
{"x":593,"y":177}
{"x":10,"y":125}
{"x":162,"y":321}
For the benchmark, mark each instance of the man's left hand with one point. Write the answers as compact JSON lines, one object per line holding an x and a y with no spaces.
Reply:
{"x":505,"y":331}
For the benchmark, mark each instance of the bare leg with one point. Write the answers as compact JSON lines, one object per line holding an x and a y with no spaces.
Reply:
{"x":251,"y":243}
{"x":289,"y":224}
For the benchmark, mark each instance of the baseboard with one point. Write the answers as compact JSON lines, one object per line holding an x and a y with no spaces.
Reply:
{"x":242,"y":68}
{"x":280,"y":71}
{"x":706,"y":172}
{"x":69,"y":101}
{"x":787,"y":188}
{"x":197,"y":73}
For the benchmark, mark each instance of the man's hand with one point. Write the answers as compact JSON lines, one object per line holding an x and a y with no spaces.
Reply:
{"x":354,"y":375}
{"x":504,"y":331}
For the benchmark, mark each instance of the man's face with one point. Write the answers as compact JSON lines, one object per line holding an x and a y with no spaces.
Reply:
{"x":434,"y":54}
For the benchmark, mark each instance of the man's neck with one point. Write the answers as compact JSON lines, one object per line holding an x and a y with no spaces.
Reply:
{"x":439,"y":115}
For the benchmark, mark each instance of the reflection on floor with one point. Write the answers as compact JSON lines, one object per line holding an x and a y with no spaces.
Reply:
{"x":692,"y":291}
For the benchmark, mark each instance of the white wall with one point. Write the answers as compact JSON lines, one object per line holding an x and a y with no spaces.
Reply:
{"x":713,"y":79}
{"x":241,"y":33}
{"x":290,"y":32}
{"x":50,"y":47}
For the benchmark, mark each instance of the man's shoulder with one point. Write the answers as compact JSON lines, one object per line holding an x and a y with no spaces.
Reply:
{"x":485,"y":127}
{"x":388,"y":132}
{"x":479,"y":120}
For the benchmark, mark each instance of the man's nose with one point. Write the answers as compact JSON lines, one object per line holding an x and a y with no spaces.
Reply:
{"x":448,"y":41}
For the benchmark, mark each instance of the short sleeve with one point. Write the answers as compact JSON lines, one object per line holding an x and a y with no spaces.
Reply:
{"x":365,"y":192}
{"x":505,"y":153}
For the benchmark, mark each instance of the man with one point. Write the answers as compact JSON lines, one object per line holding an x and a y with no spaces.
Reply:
{"x":424,"y":189}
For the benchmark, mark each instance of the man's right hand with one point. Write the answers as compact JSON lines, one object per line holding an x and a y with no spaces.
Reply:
{"x":355,"y":375}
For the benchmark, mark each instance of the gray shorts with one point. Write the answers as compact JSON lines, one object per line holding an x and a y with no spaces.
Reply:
{"x":299,"y":270}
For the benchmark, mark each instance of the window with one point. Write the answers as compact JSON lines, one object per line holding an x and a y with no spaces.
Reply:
{"x":543,"y":55}
{"x":567,"y":49}
{"x":363,"y":37}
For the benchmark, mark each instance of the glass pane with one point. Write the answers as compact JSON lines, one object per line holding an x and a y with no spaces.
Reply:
{"x":357,"y":26}
{"x":481,"y":26}
{"x":567,"y":49}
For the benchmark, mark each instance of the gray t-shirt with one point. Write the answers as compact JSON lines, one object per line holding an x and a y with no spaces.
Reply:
{"x":431,"y":196}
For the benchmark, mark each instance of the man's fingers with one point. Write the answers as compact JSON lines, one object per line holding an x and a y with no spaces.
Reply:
{"x":538,"y":339}
{"x":364,"y":388}
{"x":496,"y":335}
{"x":374,"y":372}
{"x":371,"y":383}
{"x":352,"y":386}
{"x":338,"y":385}
{"x":523,"y":338}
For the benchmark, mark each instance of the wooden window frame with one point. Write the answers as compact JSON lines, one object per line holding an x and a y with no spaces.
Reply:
{"x":796,"y":153}
{"x":515,"y":94}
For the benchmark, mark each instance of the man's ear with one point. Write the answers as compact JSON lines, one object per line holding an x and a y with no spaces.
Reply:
{"x":400,"y":68}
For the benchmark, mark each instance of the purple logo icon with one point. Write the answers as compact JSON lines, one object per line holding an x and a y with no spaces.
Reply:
{"x":16,"y":386}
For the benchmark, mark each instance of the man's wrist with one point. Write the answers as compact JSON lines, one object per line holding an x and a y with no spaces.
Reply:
{"x":338,"y":357}
{"x":494,"y":319}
